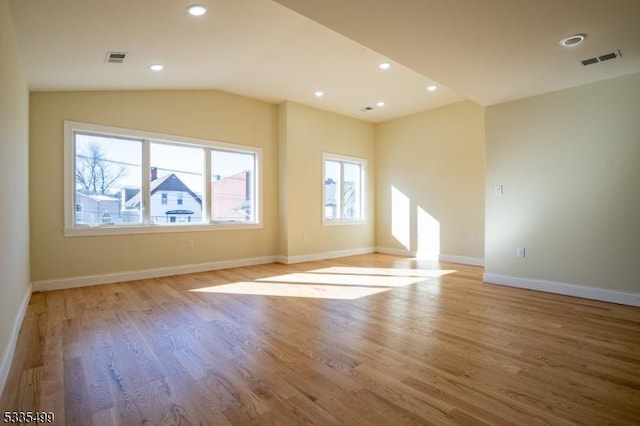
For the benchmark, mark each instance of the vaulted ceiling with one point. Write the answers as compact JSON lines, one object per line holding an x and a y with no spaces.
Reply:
{"x":489,"y":51}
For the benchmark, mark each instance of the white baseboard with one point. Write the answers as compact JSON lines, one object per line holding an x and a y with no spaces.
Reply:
{"x":464,"y":260}
{"x":83,"y":281}
{"x":288,"y":260}
{"x":603,"y":295}
{"x":7,"y":356}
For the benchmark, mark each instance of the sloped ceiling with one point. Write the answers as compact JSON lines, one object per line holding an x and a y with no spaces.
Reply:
{"x":489,"y":51}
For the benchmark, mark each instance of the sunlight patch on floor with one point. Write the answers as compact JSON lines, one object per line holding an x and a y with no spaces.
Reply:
{"x":342,"y":283}
{"x":344,"y":280}
{"x":316,"y":291}
{"x":394,"y":272}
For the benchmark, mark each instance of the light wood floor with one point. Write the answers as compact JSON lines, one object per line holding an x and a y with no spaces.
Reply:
{"x":346,"y":341}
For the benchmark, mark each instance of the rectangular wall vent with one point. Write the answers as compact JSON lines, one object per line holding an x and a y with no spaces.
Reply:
{"x":115,"y":57}
{"x":601,"y":58}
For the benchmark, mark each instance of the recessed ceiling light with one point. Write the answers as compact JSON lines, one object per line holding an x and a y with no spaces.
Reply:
{"x":573,"y":40}
{"x":385,"y":65}
{"x":197,"y":10}
{"x":432,"y":88}
{"x":380,"y":103}
{"x":156,"y":67}
{"x":318,"y":93}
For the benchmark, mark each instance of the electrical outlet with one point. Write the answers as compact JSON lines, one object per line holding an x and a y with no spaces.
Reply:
{"x":189,"y":244}
{"x":498,"y":190}
{"x":520,"y":252}
{"x":472,"y":240}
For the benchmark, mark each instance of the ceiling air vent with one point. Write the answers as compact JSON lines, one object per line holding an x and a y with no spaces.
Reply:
{"x":601,"y":58}
{"x":589,"y":61}
{"x":115,"y":57}
{"x":607,"y":56}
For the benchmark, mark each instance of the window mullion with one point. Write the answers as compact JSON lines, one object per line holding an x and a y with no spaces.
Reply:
{"x":207,"y":186}
{"x":362,"y":191}
{"x":146,"y":182}
{"x":255,"y":193}
{"x":343,"y":192}
{"x":70,"y":177}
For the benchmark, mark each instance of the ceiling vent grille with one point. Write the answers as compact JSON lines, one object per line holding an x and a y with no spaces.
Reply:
{"x":601,"y":58}
{"x":115,"y":57}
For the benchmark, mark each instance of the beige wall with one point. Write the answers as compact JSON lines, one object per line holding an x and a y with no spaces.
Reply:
{"x":431,"y":175}
{"x":207,"y":115}
{"x":14,"y":184}
{"x":306,"y":133}
{"x":570,"y":165}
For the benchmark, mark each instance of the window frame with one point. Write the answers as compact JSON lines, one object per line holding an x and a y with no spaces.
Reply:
{"x":342,"y":159}
{"x":73,"y":229}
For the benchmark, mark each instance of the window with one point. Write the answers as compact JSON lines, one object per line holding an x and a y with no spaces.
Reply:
{"x":126,"y":181}
{"x":233,"y":186}
{"x":343,"y":189}
{"x":178,"y":171}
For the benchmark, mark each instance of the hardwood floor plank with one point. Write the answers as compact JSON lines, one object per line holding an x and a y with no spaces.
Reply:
{"x":432,"y":345}
{"x":77,"y":403}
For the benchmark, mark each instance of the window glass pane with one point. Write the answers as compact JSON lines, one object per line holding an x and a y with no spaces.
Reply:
{"x":332,"y":196}
{"x":233,"y":186}
{"x":352,"y":191}
{"x":107,"y":175}
{"x":176,"y":185}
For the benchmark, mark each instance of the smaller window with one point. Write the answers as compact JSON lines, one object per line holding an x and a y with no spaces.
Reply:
{"x":164,"y":198}
{"x":179,"y":199}
{"x":343,"y":189}
{"x":78,"y":212}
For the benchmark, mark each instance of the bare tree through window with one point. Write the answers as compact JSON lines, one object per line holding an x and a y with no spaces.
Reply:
{"x":95,"y":174}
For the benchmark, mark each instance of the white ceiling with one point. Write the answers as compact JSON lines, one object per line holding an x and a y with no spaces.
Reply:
{"x":485,"y":50}
{"x":491,"y":51}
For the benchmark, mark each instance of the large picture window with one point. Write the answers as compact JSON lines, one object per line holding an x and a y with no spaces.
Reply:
{"x":126,"y":181}
{"x":343,"y":189}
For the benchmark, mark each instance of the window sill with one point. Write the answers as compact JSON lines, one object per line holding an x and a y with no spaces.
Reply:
{"x":156,"y":229}
{"x":343,"y":222}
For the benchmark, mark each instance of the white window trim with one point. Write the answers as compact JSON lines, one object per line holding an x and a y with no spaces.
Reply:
{"x":363,"y":171}
{"x":71,"y":229}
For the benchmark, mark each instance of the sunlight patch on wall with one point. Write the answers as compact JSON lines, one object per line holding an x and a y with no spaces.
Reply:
{"x":428,"y":235}
{"x":401,"y":217}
